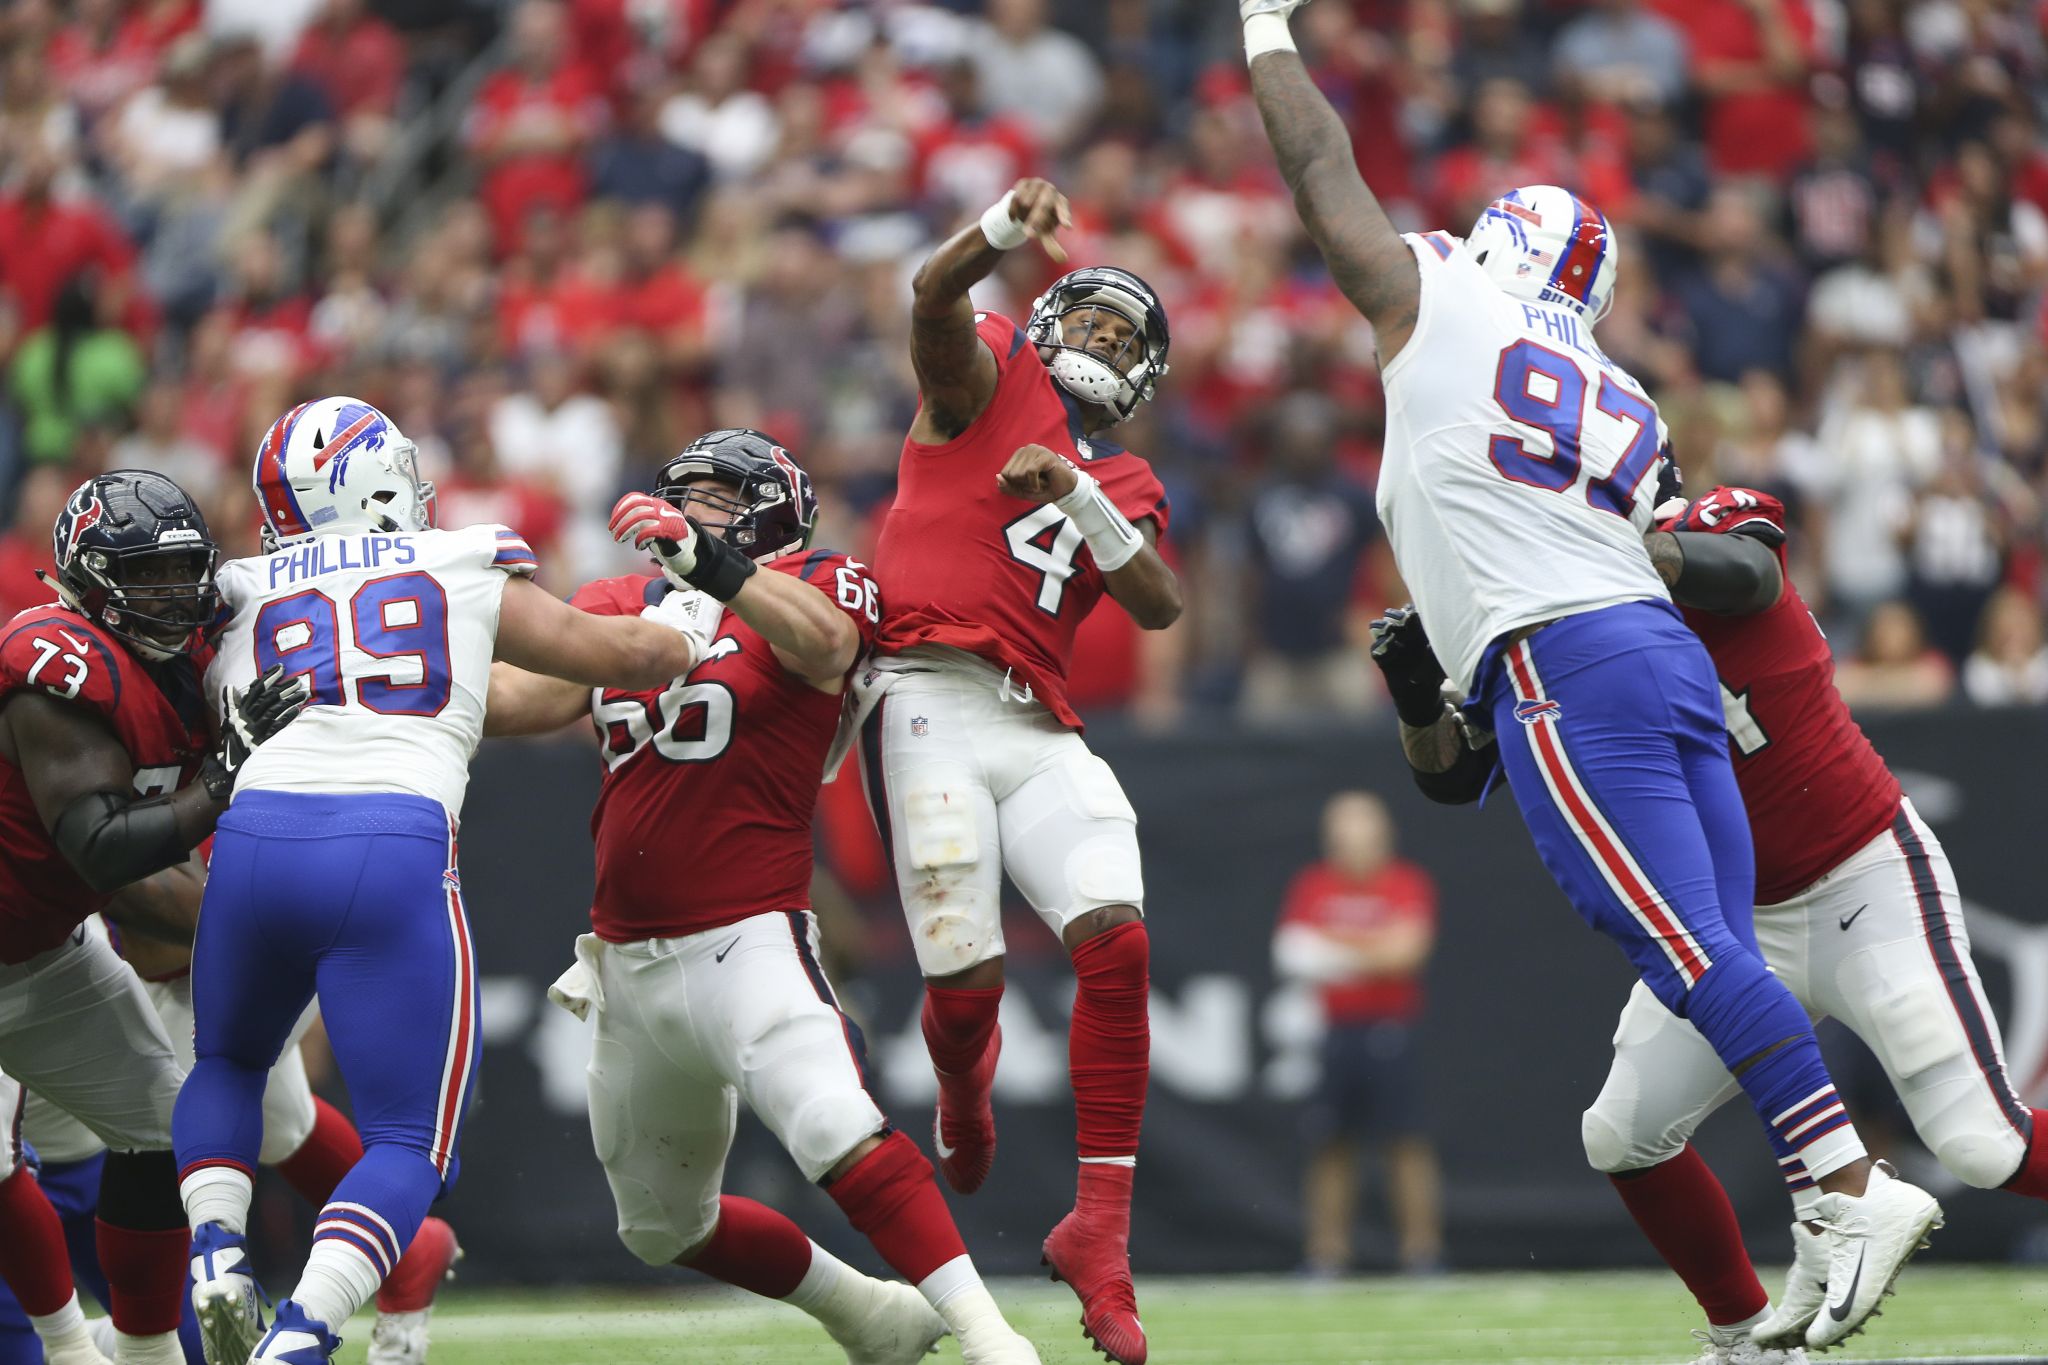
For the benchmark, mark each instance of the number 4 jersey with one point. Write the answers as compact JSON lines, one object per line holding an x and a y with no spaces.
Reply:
{"x":1789,"y":731}
{"x":395,"y":634}
{"x":1518,"y":476}
{"x":711,"y":784}
{"x":155,"y":711}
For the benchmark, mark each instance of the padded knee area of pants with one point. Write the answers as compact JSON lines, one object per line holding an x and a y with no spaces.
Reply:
{"x":829,"y":1127}
{"x":658,"y":1243}
{"x":1983,"y":1160}
{"x":288,"y":1119}
{"x":1611,"y":1130}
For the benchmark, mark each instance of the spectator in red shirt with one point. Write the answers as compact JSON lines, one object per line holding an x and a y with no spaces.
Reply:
{"x":971,"y":157}
{"x":532,"y":121}
{"x":1358,"y":926}
{"x":25,"y":546}
{"x":109,"y":50}
{"x":46,"y":240}
{"x":357,"y":61}
{"x":1750,"y":60}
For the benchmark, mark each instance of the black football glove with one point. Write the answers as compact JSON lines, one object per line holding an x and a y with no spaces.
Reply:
{"x":1414,"y":678}
{"x":247,"y":719}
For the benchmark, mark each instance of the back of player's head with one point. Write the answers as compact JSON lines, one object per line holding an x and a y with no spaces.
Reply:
{"x":339,"y":467}
{"x":133,"y":554}
{"x":1119,"y":381}
{"x":1546,"y":244}
{"x":771,"y":509}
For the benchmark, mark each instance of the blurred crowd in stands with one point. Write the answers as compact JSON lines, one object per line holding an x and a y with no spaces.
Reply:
{"x":557,"y":239}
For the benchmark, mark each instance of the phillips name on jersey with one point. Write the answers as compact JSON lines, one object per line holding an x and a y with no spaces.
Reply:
{"x":967,"y":566}
{"x":1519,"y":469}
{"x":1815,"y":788}
{"x":711,"y":783}
{"x":395,"y":634}
{"x":156,"y":711}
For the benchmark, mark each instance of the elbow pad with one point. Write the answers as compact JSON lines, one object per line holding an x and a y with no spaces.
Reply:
{"x":1464,"y":781}
{"x":111,"y":840}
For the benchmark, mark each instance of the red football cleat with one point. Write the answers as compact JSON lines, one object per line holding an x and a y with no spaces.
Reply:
{"x":963,"y":1126}
{"x":1090,"y":1251}
{"x":430,"y":1259}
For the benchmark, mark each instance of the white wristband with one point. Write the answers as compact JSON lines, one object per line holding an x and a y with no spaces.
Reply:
{"x":1004,"y":233}
{"x":1111,"y":538}
{"x":1266,"y":32}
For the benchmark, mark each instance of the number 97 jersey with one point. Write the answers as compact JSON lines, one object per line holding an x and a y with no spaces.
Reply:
{"x":394,"y":634}
{"x":1519,"y":469}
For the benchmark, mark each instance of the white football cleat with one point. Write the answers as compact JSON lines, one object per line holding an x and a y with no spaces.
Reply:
{"x":1870,"y":1238}
{"x":1806,"y":1292}
{"x":1732,"y":1346}
{"x":295,"y":1339}
{"x":76,"y":1349}
{"x":225,"y":1299}
{"x":399,"y":1339}
{"x":881,"y":1322}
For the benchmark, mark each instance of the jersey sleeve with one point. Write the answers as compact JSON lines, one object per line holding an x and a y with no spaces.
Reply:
{"x":849,"y":583}
{"x":59,"y":654}
{"x":619,"y":596}
{"x":510,"y":554}
{"x":1136,"y":491}
{"x":1004,"y":339}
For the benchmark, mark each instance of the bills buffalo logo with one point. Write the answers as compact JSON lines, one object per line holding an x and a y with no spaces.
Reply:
{"x":83,"y":512}
{"x":1530,"y":712}
{"x":358,"y":426}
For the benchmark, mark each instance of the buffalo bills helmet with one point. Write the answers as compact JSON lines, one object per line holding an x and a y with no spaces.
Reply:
{"x":339,"y":466}
{"x":1548,"y":245}
{"x":133,"y":555}
{"x":774,"y":510}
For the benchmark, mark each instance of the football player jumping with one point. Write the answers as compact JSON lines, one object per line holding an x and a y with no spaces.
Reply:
{"x":334,"y":869}
{"x":702,"y":973}
{"x":1517,"y":484}
{"x":108,"y":776}
{"x":1013,"y":516}
{"x":1858,"y":914}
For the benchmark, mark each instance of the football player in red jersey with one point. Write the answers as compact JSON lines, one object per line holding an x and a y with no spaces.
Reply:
{"x":109,"y":775}
{"x":1013,"y":517}
{"x":703,"y":971}
{"x":1858,"y":913}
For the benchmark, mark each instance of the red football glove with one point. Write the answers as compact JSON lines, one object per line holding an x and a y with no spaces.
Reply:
{"x":643,"y":520}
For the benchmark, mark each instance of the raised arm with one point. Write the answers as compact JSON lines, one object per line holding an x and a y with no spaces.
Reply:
{"x":540,"y":633}
{"x":1367,"y":258}
{"x":956,"y":374}
{"x":1732,"y":575}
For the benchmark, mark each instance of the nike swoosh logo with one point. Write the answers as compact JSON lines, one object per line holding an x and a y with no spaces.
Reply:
{"x":939,"y":1144}
{"x":72,"y":640}
{"x":1840,"y":1311}
{"x":720,"y":956}
{"x":1848,"y":920}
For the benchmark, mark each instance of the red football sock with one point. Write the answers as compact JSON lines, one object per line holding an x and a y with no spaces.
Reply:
{"x":755,"y":1248}
{"x":2031,"y":1179}
{"x":891,"y":1198}
{"x":145,"y":1277}
{"x":329,"y":1152}
{"x":957,"y":1025}
{"x":34,"y":1262}
{"x":1685,"y":1213}
{"x":1109,"y":1045}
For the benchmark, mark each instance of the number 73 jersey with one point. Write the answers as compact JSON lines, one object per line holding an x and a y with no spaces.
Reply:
{"x":395,"y":636}
{"x":711,"y":783}
{"x":1520,"y":463}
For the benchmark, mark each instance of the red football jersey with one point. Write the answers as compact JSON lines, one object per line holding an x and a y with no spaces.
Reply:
{"x":1815,"y":788}
{"x":157,"y":712}
{"x":961,"y":564}
{"x":711,"y":783}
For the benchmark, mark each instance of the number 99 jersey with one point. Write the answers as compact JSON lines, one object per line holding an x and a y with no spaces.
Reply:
{"x":711,"y":783}
{"x":395,"y":633}
{"x":1518,"y":476}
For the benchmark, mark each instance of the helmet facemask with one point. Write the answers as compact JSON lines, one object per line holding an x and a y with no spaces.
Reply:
{"x":156,"y":600}
{"x":1118,"y":380}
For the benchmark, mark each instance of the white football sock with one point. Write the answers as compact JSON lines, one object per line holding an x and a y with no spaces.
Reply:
{"x":955,"y":1290}
{"x":62,"y":1329}
{"x":161,"y":1349}
{"x":217,"y":1194}
{"x":816,"y":1292}
{"x":338,"y":1281}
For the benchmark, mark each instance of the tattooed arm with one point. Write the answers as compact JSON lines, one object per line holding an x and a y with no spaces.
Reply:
{"x":1366,"y":256}
{"x":956,"y":375}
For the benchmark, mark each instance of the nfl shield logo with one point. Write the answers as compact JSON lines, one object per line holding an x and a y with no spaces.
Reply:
{"x":919,"y":727}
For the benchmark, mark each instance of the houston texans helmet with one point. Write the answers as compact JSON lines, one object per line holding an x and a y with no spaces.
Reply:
{"x":339,"y":466}
{"x":774,"y":511}
{"x":133,"y":555}
{"x":1546,"y":244}
{"x":1086,"y":374}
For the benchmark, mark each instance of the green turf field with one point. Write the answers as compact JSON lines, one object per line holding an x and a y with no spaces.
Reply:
{"x":1584,"y":1319}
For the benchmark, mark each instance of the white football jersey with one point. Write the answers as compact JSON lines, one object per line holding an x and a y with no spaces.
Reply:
{"x":395,"y":633}
{"x":1520,"y":463}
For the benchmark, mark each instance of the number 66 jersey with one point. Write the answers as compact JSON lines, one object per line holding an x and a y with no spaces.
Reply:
{"x":394,"y":633}
{"x":1518,"y":476}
